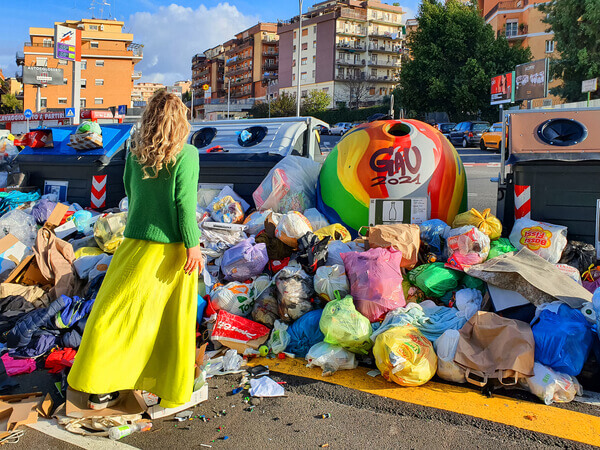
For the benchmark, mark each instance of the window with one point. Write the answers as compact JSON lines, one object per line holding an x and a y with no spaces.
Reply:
{"x":314,"y":44}
{"x":41,"y":62}
{"x":47,"y":43}
{"x":44,"y":102}
{"x":62,"y":62}
{"x":305,"y":46}
{"x":325,"y":89}
{"x":305,"y":32}
{"x":93,"y":45}
{"x":549,"y":46}
{"x":373,"y":72}
{"x":65,"y":81}
{"x":314,"y":73}
{"x":315,"y":29}
{"x":62,"y":100}
{"x":99,"y":82}
{"x":372,"y":91}
{"x":512,"y":29}
{"x":293,"y":63}
{"x":304,"y":94}
{"x":83,"y":83}
{"x":98,"y":101}
{"x":93,"y":27}
{"x":294,"y":34}
{"x":83,"y":64}
{"x":99,"y":63}
{"x":82,"y":102}
{"x":294,"y":49}
{"x":303,"y":61}
{"x":293,"y":77}
{"x":303,"y":76}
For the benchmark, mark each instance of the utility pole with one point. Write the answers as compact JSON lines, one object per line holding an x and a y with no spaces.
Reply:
{"x":38,"y":99}
{"x":228,"y":95}
{"x":298,"y":55}
{"x":192,"y":107}
{"x":76,"y":92}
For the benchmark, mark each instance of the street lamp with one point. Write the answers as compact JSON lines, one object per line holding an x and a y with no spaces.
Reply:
{"x":298,"y":54}
{"x":228,"y":95}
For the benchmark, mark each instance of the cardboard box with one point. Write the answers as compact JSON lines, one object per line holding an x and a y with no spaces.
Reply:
{"x":12,"y":252}
{"x":131,"y":402}
{"x":156,"y":411}
{"x":20,"y":409}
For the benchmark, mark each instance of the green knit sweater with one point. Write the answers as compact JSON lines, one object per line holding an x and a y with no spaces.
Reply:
{"x":163,"y":209}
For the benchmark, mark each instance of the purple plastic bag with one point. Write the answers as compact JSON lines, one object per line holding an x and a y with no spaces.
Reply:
{"x":375,"y":281}
{"x":42,"y":210}
{"x":244,"y":260}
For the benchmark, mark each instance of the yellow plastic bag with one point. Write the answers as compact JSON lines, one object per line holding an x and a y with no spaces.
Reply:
{"x":403,"y":355}
{"x":485,"y":221}
{"x":87,"y":251}
{"x":336,"y":231}
{"x":108,"y":231}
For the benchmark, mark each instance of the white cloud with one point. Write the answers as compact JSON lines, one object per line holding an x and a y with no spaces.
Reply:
{"x":173,"y":34}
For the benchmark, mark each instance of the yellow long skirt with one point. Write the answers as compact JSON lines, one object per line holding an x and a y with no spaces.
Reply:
{"x":141,"y":331}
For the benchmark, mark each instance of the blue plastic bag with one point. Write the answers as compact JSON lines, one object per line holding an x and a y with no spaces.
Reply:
{"x":304,"y":333}
{"x":244,"y":260}
{"x":431,"y":233}
{"x":563,"y":340}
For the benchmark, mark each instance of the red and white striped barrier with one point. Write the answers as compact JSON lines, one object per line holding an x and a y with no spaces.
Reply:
{"x":98,"y":194}
{"x":522,"y":202}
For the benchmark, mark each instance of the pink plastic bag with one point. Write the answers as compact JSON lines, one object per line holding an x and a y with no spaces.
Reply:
{"x":17,"y":366}
{"x":467,"y":246}
{"x":375,"y":281}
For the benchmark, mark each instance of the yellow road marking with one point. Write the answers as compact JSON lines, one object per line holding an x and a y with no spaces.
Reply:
{"x":557,"y":422}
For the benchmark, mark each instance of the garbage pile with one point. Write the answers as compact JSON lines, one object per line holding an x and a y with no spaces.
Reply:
{"x":457,"y":300}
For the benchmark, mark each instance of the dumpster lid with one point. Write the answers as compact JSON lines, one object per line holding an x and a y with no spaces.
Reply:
{"x":274,"y":136}
{"x":113,"y":137}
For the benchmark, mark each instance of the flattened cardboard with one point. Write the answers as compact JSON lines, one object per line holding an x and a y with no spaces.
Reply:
{"x":241,"y":347}
{"x":28,"y":273}
{"x":12,"y":252}
{"x":199,"y":396}
{"x":131,"y":402}
{"x":20,"y":409}
{"x":56,"y":216}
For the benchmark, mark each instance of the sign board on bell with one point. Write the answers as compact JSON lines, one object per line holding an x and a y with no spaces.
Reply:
{"x":28,"y":113}
{"x":531,"y":80}
{"x":589,"y":85}
{"x":503,"y":89}
{"x":67,"y":43}
{"x":43,"y":75}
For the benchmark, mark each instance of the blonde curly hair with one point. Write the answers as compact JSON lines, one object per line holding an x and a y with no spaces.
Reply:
{"x":161,"y":134}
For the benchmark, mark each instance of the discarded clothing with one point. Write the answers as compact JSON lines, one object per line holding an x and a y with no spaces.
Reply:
{"x":55,"y":258}
{"x":14,"y":199}
{"x":60,"y":359}
{"x":17,"y":366}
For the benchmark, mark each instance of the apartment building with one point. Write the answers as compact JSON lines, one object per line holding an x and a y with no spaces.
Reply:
{"x":184,"y":85}
{"x":142,"y":92}
{"x":251,"y":61}
{"x":208,"y":69}
{"x":522,"y":22}
{"x":108,"y":59}
{"x":345,"y":45}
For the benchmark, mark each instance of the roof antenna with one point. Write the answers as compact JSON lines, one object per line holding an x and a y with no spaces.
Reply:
{"x":99,"y":5}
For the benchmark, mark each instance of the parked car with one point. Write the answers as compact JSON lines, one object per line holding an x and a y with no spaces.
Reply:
{"x":468,"y":133}
{"x":340,"y":128}
{"x":492,"y":138}
{"x":445,"y":128}
{"x":323,"y":130}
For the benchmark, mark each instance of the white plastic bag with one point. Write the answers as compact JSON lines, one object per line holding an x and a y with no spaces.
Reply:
{"x":234,"y":298}
{"x":466,"y":246}
{"x":330,"y":358}
{"x":290,"y":186}
{"x":316,"y":219}
{"x":468,"y":301}
{"x":280,"y":337}
{"x":445,"y":348}
{"x":19,"y":224}
{"x":329,"y":279}
{"x":255,"y":222}
{"x":546,"y":240}
{"x":550,"y":386}
{"x":292,"y":227}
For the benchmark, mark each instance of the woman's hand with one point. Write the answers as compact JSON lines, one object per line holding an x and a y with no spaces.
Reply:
{"x":195,"y":260}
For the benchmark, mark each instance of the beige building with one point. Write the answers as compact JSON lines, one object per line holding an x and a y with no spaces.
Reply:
{"x":184,"y":85}
{"x":521,"y":22}
{"x":142,"y":92}
{"x":346,"y":46}
{"x":108,"y":59}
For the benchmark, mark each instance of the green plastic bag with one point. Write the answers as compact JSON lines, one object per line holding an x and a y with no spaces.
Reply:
{"x":87,"y":127}
{"x":499,"y":247}
{"x":434,"y":279}
{"x":343,"y":325}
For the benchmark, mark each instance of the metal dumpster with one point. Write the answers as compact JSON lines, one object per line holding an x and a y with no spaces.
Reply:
{"x":552,"y":173}
{"x":94,"y":177}
{"x":242,"y":152}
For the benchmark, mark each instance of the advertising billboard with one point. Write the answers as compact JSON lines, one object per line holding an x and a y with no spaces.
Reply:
{"x":43,"y":75}
{"x":503,"y":89}
{"x":531,"y":80}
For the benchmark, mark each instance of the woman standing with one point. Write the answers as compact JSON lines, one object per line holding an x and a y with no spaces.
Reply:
{"x":141,"y":331}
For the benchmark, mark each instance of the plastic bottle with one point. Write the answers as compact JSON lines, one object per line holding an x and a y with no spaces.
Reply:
{"x":125,"y":430}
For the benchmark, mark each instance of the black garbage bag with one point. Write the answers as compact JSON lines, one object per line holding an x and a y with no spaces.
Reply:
{"x":312,"y":252}
{"x":579,"y":255}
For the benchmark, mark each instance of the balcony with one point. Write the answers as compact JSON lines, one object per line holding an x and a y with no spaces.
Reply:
{"x":383,"y":49}
{"x":350,"y":47}
{"x":237,"y":59}
{"x":358,"y":31}
{"x":352,"y":14}
{"x":521,"y":33}
{"x":270,"y":54}
{"x":269,"y":76}
{"x":384,"y":34}
{"x":346,"y":62}
{"x":385,"y":21}
{"x":136,"y":49}
{"x":19,"y":75}
{"x":137,"y":74}
{"x":270,"y":66}
{"x":386,"y":64}
{"x":240,"y":46}
{"x":240,"y":94}
{"x":269,"y":40}
{"x":239,"y":71}
{"x":20,"y":58}
{"x":241,"y":81}
{"x":507,"y":5}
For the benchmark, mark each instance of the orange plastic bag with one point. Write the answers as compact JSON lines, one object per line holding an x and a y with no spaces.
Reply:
{"x":485,"y":221}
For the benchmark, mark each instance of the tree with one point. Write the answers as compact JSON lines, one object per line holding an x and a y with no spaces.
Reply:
{"x":357,"y":91}
{"x":283,"y":106}
{"x":315,"y":101}
{"x":10,"y":103}
{"x":454,"y":55}
{"x":576,"y":24}
{"x":187,"y":96}
{"x":259,"y":110}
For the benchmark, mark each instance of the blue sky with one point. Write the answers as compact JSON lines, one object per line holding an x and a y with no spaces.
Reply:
{"x":171,"y":31}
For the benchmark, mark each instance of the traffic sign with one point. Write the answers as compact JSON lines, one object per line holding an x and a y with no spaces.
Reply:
{"x":122,"y":110}
{"x":28,"y":113}
{"x":69,"y":112}
{"x":205,"y":87}
{"x":589,"y":85}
